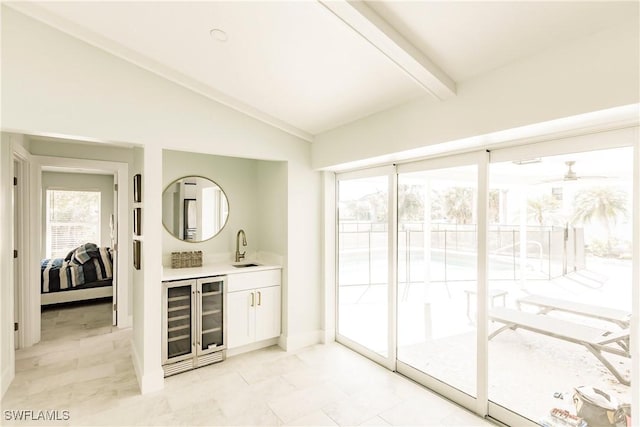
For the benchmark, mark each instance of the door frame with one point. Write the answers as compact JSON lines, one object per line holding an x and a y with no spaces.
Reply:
{"x":27,"y":243}
{"x":122,"y":255}
{"x":480,"y":159}
{"x":390,"y":172}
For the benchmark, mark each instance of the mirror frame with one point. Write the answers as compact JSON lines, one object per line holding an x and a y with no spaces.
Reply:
{"x":226,"y":220}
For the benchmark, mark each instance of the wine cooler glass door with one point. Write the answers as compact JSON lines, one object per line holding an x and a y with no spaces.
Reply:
{"x":179,"y":322}
{"x":211,"y":337}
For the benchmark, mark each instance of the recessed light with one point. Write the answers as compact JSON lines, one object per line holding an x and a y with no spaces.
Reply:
{"x":218,"y":34}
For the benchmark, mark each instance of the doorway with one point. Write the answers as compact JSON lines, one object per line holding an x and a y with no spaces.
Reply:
{"x":120,"y":255}
{"x":78,"y":260}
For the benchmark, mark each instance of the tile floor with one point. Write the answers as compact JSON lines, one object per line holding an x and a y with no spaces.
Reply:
{"x":83,"y":366}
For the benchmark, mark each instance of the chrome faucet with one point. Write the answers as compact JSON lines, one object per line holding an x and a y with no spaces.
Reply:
{"x":240,"y":255}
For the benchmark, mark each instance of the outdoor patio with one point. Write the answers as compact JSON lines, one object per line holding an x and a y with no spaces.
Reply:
{"x":529,"y":372}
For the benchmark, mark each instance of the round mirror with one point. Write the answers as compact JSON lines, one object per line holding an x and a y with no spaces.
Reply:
{"x":194,"y":209}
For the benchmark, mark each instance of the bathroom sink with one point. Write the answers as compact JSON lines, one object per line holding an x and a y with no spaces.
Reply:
{"x":250,"y":264}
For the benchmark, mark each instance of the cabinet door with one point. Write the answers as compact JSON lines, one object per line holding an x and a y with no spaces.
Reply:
{"x":241,"y":318}
{"x":267,"y":312}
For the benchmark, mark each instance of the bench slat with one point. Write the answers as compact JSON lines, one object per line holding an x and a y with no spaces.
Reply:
{"x":604,"y":313}
{"x":551,"y":326}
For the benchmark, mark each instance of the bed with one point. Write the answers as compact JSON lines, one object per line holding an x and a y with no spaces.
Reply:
{"x":85,"y":273}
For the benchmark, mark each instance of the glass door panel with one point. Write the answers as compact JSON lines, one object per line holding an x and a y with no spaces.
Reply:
{"x":437,"y":274}
{"x":211,"y":315}
{"x":363,"y":259}
{"x":179,"y":322}
{"x":560,"y":244}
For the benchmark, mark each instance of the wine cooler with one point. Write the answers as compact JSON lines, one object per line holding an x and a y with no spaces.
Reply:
{"x":193,"y":323}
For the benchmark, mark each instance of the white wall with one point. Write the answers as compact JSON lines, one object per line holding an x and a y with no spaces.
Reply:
{"x":53,"y":84}
{"x":590,"y":74}
{"x":302,"y":297}
{"x":138,"y":288}
{"x":256,"y":191}
{"x":7,"y":359}
{"x":237,"y":178}
{"x":81,"y":181}
{"x":271,"y":199}
{"x":56,"y":147}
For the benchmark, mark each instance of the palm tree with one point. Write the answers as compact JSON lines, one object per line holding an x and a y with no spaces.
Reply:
{"x":603,"y":204}
{"x":410,"y":203}
{"x":458,"y":202}
{"x":542,"y":208}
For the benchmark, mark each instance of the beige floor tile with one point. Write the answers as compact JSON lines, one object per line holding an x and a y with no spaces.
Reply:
{"x":424,"y":410}
{"x":83,"y":365}
{"x":361,"y":406}
{"x":317,"y":418}
{"x":304,"y":402}
{"x":376,"y":421}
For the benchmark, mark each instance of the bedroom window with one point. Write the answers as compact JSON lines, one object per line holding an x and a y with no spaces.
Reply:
{"x":73,"y":218}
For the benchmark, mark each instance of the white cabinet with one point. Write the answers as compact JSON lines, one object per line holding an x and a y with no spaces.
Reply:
{"x":267,"y":313}
{"x":253,"y":307}
{"x":241,"y":318}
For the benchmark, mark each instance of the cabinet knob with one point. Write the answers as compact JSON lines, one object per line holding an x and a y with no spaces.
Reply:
{"x":259,"y":298}
{"x":253,"y":299}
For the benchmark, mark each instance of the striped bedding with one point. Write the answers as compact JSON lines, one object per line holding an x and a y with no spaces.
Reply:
{"x":81,"y":268}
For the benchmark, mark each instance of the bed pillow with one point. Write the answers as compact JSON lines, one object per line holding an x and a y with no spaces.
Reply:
{"x":84,"y":253}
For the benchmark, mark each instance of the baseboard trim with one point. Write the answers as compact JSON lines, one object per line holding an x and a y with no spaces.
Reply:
{"x":328,"y":337}
{"x":147,"y":382}
{"x":128,"y":322}
{"x":301,"y":340}
{"x":251,"y":347}
{"x":7,"y":377}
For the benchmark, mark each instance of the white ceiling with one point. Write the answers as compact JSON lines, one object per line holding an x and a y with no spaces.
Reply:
{"x":307,"y":67}
{"x":468,"y":38}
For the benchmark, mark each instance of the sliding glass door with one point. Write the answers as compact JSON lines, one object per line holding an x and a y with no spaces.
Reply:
{"x":507,"y":281}
{"x":437,"y":272}
{"x":560,"y":250}
{"x":364,"y":221}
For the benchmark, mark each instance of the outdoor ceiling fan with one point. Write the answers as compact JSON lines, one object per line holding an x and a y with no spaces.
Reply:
{"x":571,"y":175}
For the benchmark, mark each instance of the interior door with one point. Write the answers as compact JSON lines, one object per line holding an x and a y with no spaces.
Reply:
{"x":114,"y":246}
{"x":113,"y":229}
{"x":17,"y":254}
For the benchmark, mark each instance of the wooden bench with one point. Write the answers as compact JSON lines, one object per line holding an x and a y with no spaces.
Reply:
{"x":619,"y":317}
{"x":595,"y":340}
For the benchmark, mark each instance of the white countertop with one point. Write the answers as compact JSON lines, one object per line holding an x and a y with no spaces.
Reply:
{"x":220,"y":269}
